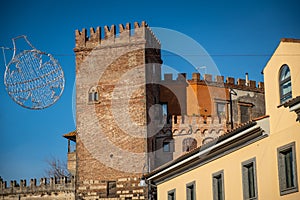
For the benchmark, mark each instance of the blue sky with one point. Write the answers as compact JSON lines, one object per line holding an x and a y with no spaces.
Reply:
{"x":240,"y":37}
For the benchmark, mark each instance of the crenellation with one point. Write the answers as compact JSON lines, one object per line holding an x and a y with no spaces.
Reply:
{"x":80,"y":38}
{"x":208,"y":77}
{"x":261,"y":85}
{"x":241,"y":82}
{"x":252,"y":84}
{"x":178,"y":120}
{"x":168,"y":77}
{"x":32,"y":183}
{"x":122,"y":29}
{"x":23,"y":183}
{"x":95,"y":36}
{"x":230,"y":80}
{"x":196,"y":76}
{"x":43,"y":181}
{"x":33,"y":188}
{"x":140,"y":34}
{"x":218,"y":81}
{"x":181,"y":77}
{"x":13,"y":184}
{"x":109,"y":32}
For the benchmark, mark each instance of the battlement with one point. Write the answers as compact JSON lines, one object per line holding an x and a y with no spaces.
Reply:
{"x":218,"y":81}
{"x":140,"y":34}
{"x":45,"y":186}
{"x":195,"y":124}
{"x":186,"y":122}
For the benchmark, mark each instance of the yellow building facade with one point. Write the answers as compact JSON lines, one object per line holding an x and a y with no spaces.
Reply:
{"x":257,"y":160}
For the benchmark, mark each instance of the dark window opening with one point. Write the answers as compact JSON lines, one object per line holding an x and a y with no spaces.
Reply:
{"x":111,"y":188}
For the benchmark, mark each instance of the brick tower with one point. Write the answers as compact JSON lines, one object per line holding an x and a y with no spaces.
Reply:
{"x":115,"y":88}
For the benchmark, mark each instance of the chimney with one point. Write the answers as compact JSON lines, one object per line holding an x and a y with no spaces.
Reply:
{"x":247,"y":79}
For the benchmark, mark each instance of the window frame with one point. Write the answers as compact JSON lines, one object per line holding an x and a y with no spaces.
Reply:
{"x":281,"y":162}
{"x":215,"y":186}
{"x":281,"y":84}
{"x":187,"y":187}
{"x":173,"y":191}
{"x":245,"y":179}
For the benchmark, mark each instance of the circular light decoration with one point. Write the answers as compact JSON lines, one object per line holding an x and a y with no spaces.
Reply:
{"x":33,"y":79}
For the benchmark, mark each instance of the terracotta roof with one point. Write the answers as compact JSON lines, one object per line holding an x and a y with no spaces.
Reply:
{"x":71,"y":135}
{"x":290,"y":40}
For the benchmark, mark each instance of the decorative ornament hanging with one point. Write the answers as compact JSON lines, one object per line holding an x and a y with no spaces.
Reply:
{"x":33,"y":79}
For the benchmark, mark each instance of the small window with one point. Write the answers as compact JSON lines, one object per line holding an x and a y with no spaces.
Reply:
{"x":218,"y":185}
{"x":245,"y":117}
{"x":93,"y":95}
{"x":111,"y":188}
{"x":287,"y":169}
{"x":189,"y":144}
{"x":190,"y":191}
{"x":245,"y":111}
{"x":285,"y":84}
{"x":249,"y":179}
{"x":166,"y":146}
{"x":172,"y":195}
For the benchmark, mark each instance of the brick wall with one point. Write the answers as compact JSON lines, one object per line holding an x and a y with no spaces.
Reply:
{"x":112,"y":131}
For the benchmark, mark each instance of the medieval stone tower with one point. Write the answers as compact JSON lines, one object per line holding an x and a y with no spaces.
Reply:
{"x":115,"y":88}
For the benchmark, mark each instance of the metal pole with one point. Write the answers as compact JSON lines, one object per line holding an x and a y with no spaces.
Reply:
{"x":231,"y":111}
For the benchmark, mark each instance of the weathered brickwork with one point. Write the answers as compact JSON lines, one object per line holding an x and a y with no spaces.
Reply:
{"x":112,"y":142}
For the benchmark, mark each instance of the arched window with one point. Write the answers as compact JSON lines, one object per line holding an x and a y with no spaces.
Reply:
{"x":285,"y":84}
{"x":189,"y":144}
{"x":93,"y":95}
